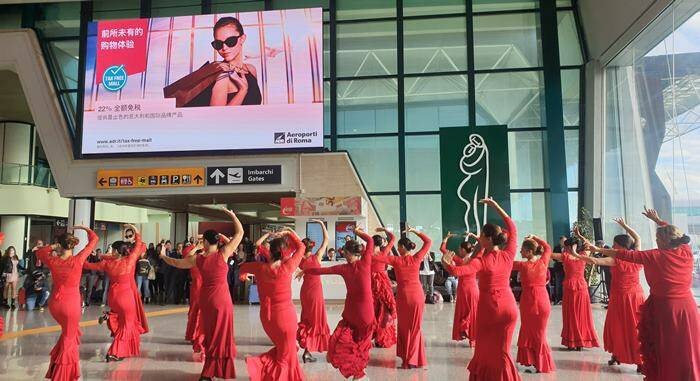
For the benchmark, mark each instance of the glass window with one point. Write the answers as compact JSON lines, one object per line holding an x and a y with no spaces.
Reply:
{"x":327,"y":144}
{"x":70,"y":100}
{"x":377,"y":161}
{"x":326,"y":108}
{"x":432,"y":7}
{"x":388,"y":209}
{"x":163,"y":8}
{"x":503,"y":5}
{"x":227,"y":6}
{"x":514,"y":99}
{"x":571,"y":94}
{"x":507,"y":41}
{"x":59,"y":19}
{"x":423,"y":163}
{"x":563,"y":3}
{"x":367,"y":106}
{"x":573,"y":207}
{"x":11,"y":17}
{"x":435,"y":45}
{"x":571,"y":142}
{"x":425,"y":212}
{"x":569,"y":45}
{"x":291,"y":4}
{"x":529,"y":213}
{"x":434,"y":102}
{"x":326,"y":50}
{"x":525,"y":160}
{"x":65,"y":58}
{"x":114,"y":10}
{"x":365,"y":9}
{"x":366,"y":49}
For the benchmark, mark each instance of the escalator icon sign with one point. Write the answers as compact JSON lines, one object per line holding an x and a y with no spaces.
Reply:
{"x":234,"y":175}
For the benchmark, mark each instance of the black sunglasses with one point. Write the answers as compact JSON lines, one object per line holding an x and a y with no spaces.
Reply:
{"x":230,"y":42}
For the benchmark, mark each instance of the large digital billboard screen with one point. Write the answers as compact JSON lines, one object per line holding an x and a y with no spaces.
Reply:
{"x":221,"y":82}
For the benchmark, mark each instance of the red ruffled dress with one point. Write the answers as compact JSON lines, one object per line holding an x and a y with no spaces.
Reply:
{"x":216,"y":317}
{"x":410,"y":302}
{"x":669,"y":322}
{"x":193,"y":332}
{"x":577,"y":319}
{"x":351,"y":341}
{"x":464,"y":323}
{"x":127,"y":319}
{"x":384,"y":302}
{"x":278,"y":316}
{"x":65,"y":306}
{"x":620,"y":335}
{"x":313,"y":332}
{"x":533,"y":349}
{"x":496,"y":314}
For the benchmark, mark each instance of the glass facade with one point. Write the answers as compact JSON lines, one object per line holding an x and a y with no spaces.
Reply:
{"x":396,"y":71}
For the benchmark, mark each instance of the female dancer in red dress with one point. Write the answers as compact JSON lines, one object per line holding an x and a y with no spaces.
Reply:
{"x":2,"y":321}
{"x":497,"y":312}
{"x":620,"y":336}
{"x":410,"y":299}
{"x":352,"y":339}
{"x":669,"y":323}
{"x":277,"y":312}
{"x":215,"y":305}
{"x":533,"y":349}
{"x":193,"y":333}
{"x":65,"y":303}
{"x":464,"y":324}
{"x":384,"y":303}
{"x":122,"y":302}
{"x":577,"y":319}
{"x":313,"y":332}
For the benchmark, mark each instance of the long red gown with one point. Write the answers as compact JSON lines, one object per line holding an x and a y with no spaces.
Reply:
{"x":278,"y":316}
{"x":216,"y":317}
{"x":669,"y":323}
{"x":384,"y":303}
{"x":496,"y":313}
{"x":534,"y":313}
{"x":313,"y":332}
{"x":193,"y":332}
{"x":65,"y":306}
{"x":464,"y":323}
{"x":113,"y":319}
{"x":626,"y":296}
{"x":410,"y":302}
{"x":123,"y":302}
{"x":352,"y":339}
{"x":577,"y":319}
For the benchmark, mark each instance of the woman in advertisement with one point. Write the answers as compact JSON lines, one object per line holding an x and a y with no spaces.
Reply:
{"x":384,"y":301}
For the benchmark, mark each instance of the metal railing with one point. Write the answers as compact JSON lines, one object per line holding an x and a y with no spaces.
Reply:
{"x":24,"y":174}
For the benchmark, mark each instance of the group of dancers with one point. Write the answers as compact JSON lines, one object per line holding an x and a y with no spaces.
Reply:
{"x":660,"y":335}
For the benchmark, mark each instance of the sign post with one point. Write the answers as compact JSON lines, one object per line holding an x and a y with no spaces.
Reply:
{"x":244,"y":175}
{"x":150,"y":178}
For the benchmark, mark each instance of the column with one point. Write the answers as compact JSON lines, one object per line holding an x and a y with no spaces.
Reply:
{"x":15,"y":229}
{"x":178,"y":227}
{"x":81,"y":211}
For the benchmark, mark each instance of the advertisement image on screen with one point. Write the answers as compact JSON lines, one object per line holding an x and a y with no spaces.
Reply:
{"x":220,"y":82}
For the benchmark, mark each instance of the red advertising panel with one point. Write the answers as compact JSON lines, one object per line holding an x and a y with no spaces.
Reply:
{"x":321,"y":206}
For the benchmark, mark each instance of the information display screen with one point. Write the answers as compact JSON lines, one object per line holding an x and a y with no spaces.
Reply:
{"x":221,"y":82}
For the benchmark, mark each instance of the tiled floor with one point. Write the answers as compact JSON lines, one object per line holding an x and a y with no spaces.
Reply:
{"x":165,"y":356}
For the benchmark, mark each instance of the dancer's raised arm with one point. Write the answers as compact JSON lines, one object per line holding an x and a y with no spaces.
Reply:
{"x":184,"y":263}
{"x":93,"y":239}
{"x":232,"y":245}
{"x":390,"y":243}
{"x":512,"y":243}
{"x":632,"y":233}
{"x":324,"y":245}
{"x":427,"y":242}
{"x":472,"y":266}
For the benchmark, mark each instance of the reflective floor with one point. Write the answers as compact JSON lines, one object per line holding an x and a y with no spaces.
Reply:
{"x":24,"y":351}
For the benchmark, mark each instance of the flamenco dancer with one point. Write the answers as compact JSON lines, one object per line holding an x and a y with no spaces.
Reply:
{"x":348,"y":349}
{"x":215,"y":305}
{"x":620,"y":336}
{"x":193,"y":332}
{"x":384,"y":303}
{"x":277,"y":312}
{"x":2,"y":320}
{"x":577,"y":319}
{"x":410,"y":299}
{"x":120,"y":269}
{"x":497,"y":312}
{"x":65,"y":303}
{"x":313,"y":332}
{"x":464,"y":324}
{"x":533,"y":349}
{"x":669,"y":323}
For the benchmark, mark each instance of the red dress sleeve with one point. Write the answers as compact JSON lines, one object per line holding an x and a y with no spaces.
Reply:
{"x":392,"y":241}
{"x":640,"y":257}
{"x":518,"y":265}
{"x":512,"y":244}
{"x":369,"y":248}
{"x":264,"y":252}
{"x":471,"y":267}
{"x":337,"y":270}
{"x":292,"y":263}
{"x":443,"y":247}
{"x":547,"y":255}
{"x":44,"y":255}
{"x":92,"y":243}
{"x":427,"y":242}
{"x":99,"y":266}
{"x":249,"y":268}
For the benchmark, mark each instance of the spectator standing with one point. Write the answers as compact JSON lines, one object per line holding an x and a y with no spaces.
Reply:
{"x":427,"y":276}
{"x":557,"y":275}
{"x":143,"y":268}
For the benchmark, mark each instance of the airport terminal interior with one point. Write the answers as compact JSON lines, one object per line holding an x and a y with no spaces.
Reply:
{"x":534,"y":159}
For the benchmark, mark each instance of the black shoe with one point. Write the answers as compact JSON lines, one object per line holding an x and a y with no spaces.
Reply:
{"x":103,"y":318}
{"x":205,"y":378}
{"x":113,"y":358}
{"x":306,"y":357}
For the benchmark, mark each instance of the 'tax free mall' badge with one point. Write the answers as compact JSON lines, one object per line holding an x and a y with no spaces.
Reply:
{"x":114,"y":78}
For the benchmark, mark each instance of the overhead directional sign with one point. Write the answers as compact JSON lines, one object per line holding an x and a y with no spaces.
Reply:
{"x":244,"y":175}
{"x":150,"y":178}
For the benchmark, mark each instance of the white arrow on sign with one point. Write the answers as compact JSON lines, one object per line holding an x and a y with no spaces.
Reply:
{"x":217,"y":175}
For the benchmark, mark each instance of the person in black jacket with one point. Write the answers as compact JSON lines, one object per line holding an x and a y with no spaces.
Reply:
{"x":557,"y":273}
{"x":36,"y":292}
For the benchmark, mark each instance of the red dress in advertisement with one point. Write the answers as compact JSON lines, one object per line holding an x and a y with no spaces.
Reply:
{"x":352,"y":339}
{"x":626,"y":296}
{"x":464,"y":323}
{"x":216,"y":317}
{"x":577,"y":319}
{"x":313,"y":332}
{"x":535,"y":307}
{"x":669,"y":323}
{"x":410,"y":302}
{"x":65,"y":306}
{"x":193,"y":331}
{"x":124,"y":302}
{"x":384,"y":302}
{"x":496,"y":313}
{"x":278,"y":316}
